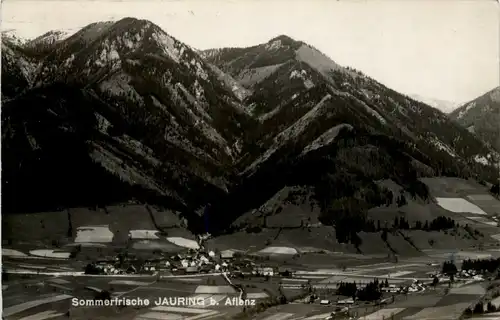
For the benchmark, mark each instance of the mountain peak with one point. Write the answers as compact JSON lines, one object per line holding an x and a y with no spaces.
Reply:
{"x":282,"y":37}
{"x":281,"y":40}
{"x":481,"y":116}
{"x":133,"y":22}
{"x":51,"y":37}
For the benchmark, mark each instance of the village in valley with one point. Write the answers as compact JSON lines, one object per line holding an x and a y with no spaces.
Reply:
{"x":187,"y":277}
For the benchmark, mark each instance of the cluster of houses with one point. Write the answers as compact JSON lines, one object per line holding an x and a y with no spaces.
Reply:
{"x":461,"y":275}
{"x":192,"y":262}
{"x":467,"y":274}
{"x":416,"y":286}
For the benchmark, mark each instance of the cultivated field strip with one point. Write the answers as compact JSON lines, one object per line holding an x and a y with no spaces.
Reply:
{"x":160,"y":316}
{"x":129,"y":283}
{"x":9,"y":311}
{"x":214,"y":289}
{"x":321,"y":316}
{"x":257,"y":295}
{"x":481,"y":197}
{"x":489,"y":316}
{"x":280,"y":316}
{"x":294,"y":280}
{"x":475,"y":289}
{"x":59,"y":281}
{"x":177,"y":313}
{"x":496,"y":237}
{"x":395,"y":274}
{"x":440,"y":313}
{"x":44,"y":315}
{"x":383,"y":314}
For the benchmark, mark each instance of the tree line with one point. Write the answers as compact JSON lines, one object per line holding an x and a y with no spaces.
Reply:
{"x":347,"y":226}
{"x":479,"y":309}
{"x":495,"y":189}
{"x":372,"y":291}
{"x":489,"y":265}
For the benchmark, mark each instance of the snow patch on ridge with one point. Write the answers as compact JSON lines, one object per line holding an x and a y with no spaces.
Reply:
{"x":463,"y":112}
{"x":102,"y":123}
{"x":275,"y":45}
{"x":167,"y":43}
{"x":443,"y":146}
{"x":326,"y":138}
{"x":295,"y":74}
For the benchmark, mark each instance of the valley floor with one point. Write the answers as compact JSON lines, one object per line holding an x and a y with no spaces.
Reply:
{"x":42,"y":273}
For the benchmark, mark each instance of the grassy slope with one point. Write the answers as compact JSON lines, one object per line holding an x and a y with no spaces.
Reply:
{"x":294,"y":211}
{"x":46,"y":227}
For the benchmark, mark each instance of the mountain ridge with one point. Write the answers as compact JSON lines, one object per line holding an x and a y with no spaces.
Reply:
{"x":482,"y":117}
{"x":228,"y":127}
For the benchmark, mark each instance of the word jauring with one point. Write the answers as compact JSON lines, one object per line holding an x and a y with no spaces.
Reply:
{"x":185,"y":301}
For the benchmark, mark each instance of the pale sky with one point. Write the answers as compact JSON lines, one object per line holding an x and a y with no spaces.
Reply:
{"x":441,"y":49}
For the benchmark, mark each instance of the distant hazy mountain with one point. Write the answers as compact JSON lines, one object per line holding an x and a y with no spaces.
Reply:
{"x":443,"y":105}
{"x":11,"y":36}
{"x":50,"y":38}
{"x":481,"y":116}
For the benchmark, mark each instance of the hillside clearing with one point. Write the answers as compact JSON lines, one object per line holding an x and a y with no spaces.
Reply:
{"x":183,"y":242}
{"x":279,"y":250}
{"x":144,"y":234}
{"x":459,"y":205}
{"x":484,"y":221}
{"x":156,"y":245}
{"x":48,"y":253}
{"x":12,"y":253}
{"x":481,"y":197}
{"x":94,"y":234}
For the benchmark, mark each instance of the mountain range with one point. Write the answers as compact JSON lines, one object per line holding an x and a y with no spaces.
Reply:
{"x":122,"y":111}
{"x":481,"y":116}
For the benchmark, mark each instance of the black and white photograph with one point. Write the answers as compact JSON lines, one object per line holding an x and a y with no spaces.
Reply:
{"x":250,"y":159}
